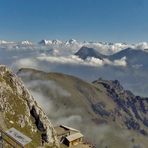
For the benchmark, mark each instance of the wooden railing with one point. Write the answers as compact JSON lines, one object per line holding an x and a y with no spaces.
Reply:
{"x":8,"y":139}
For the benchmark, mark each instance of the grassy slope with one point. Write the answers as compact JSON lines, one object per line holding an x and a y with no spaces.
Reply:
{"x":83,"y":95}
{"x":16,"y":107}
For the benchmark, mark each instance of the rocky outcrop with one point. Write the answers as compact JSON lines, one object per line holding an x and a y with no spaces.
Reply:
{"x":19,"y":109}
{"x":130,"y":109}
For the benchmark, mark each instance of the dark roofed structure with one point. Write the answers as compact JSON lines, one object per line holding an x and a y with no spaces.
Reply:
{"x":68,"y":136}
{"x":73,"y":139}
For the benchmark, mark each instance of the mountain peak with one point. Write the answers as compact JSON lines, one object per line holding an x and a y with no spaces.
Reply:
{"x":56,"y":42}
{"x":26,"y":42}
{"x":85,"y":52}
{"x":71,"y":41}
{"x":45,"y":42}
{"x":110,"y":83}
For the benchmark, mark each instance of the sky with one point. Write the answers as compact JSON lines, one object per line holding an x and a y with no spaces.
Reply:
{"x":91,"y":20}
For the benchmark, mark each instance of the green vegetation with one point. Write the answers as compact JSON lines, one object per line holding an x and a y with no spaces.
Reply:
{"x":18,"y":107}
{"x":15,"y":112}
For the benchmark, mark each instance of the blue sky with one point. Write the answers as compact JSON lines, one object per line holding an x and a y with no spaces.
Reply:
{"x":95,"y":20}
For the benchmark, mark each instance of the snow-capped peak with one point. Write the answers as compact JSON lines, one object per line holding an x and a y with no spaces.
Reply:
{"x":73,"y":45}
{"x":5,"y":42}
{"x":71,"y":41}
{"x":56,"y":42}
{"x":45,"y":42}
{"x":26,"y":42}
{"x":50,"y":42}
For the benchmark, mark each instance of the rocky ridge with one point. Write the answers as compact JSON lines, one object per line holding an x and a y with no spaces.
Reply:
{"x":131,"y":110}
{"x":19,"y":109}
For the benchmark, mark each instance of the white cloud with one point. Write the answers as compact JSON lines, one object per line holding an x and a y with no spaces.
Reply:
{"x":75,"y":60}
{"x":91,"y":61}
{"x":61,"y":59}
{"x":120,"y":62}
{"x":25,"y":63}
{"x":142,"y":45}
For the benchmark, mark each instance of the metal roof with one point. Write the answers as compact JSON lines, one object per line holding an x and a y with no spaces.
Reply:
{"x":74,"y":137}
{"x":69,"y":128}
{"x":18,"y":136}
{"x":61,"y":131}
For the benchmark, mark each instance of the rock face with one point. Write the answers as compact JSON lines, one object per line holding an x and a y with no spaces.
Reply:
{"x":18,"y":109}
{"x":131,"y":110}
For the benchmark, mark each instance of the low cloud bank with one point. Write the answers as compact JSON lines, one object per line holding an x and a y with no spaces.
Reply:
{"x":90,"y":61}
{"x":99,"y":135}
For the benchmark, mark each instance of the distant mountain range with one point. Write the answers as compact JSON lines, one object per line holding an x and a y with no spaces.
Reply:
{"x":88,"y":106}
{"x":72,"y":44}
{"x":136,"y":58}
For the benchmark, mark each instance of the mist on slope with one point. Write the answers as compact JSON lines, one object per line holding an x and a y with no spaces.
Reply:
{"x":75,"y":117}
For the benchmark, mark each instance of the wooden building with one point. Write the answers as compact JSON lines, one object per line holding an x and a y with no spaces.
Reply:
{"x":68,"y":136}
{"x":62,"y":132}
{"x":73,"y":139}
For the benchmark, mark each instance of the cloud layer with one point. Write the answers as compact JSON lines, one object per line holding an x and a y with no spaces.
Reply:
{"x":90,"y":61}
{"x":58,"y":56}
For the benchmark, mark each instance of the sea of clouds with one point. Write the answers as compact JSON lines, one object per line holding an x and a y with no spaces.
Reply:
{"x":58,"y":56}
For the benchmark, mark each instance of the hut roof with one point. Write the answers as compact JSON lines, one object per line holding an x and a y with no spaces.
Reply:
{"x":69,"y":128}
{"x":74,"y":137}
{"x":61,"y":131}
